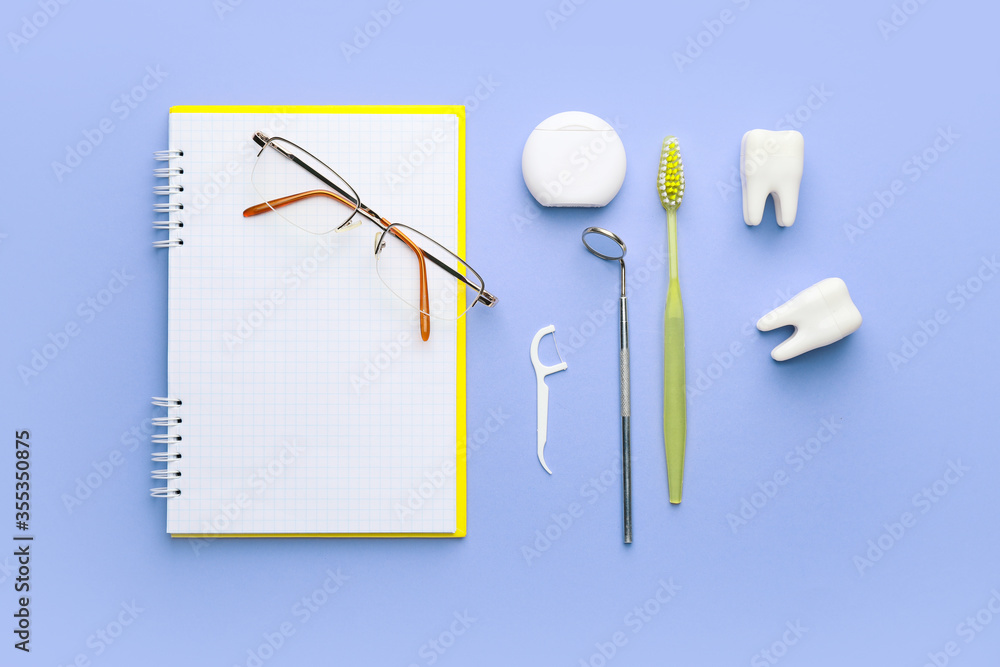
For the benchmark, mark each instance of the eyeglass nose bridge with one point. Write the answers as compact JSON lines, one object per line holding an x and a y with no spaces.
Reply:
{"x":380,"y":240}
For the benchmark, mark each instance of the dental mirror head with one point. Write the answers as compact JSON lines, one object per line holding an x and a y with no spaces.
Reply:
{"x":603,"y":243}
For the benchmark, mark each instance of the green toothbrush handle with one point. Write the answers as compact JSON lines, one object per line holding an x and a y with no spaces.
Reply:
{"x":674,"y":390}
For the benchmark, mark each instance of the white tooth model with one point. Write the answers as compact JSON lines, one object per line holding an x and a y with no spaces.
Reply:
{"x":821,"y":314}
{"x":771,"y":163}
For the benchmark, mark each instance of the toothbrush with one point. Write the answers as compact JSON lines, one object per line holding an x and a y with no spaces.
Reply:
{"x":670,"y":184}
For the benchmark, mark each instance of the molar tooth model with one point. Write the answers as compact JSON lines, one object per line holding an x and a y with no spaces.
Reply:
{"x":821,"y":314}
{"x":771,"y":164}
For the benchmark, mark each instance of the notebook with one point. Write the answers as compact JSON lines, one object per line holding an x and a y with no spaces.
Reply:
{"x":301,"y":400}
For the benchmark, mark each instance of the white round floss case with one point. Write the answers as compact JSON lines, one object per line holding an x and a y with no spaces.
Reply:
{"x":573,"y":158}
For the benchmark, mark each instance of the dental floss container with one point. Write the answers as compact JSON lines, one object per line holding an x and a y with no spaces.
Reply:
{"x":573,"y":158}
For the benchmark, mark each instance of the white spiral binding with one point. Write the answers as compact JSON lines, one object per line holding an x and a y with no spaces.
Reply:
{"x":168,"y":243}
{"x":166,"y":402}
{"x":170,"y":189}
{"x":170,"y":440}
{"x":171,"y":225}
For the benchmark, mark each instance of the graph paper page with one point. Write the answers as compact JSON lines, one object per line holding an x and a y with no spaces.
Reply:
{"x":310,"y":403}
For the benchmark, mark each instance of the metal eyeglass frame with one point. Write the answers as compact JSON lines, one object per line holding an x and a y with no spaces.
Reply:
{"x":352,"y":199}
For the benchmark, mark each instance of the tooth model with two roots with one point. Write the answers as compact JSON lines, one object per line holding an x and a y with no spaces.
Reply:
{"x":821,"y":314}
{"x":771,"y":164}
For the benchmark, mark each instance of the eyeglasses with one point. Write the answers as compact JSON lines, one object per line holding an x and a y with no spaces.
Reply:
{"x":412,"y":266}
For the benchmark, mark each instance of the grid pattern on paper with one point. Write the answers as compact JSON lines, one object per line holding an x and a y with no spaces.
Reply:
{"x":310,"y":403}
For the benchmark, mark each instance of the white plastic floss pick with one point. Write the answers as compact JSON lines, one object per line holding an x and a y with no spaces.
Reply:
{"x":541,"y":372}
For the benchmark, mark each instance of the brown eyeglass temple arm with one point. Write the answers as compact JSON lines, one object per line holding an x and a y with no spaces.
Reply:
{"x":425,"y":302}
{"x":257,"y":209}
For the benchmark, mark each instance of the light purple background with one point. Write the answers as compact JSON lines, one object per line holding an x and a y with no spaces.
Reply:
{"x":886,"y":99}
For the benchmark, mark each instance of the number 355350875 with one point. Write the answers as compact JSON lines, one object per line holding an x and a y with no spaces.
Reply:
{"x":22,"y":475}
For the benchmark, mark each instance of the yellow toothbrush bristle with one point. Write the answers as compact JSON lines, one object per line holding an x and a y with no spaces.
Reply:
{"x":670,"y":181}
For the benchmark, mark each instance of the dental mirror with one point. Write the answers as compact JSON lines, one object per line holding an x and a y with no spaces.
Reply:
{"x":608,"y":245}
{"x":603,"y":243}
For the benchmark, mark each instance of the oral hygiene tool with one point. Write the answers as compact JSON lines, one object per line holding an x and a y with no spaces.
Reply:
{"x":573,"y":158}
{"x":670,"y":185}
{"x":541,"y":371}
{"x":607,"y":245}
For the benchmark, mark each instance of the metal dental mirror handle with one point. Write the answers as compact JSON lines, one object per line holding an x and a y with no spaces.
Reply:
{"x":607,"y":245}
